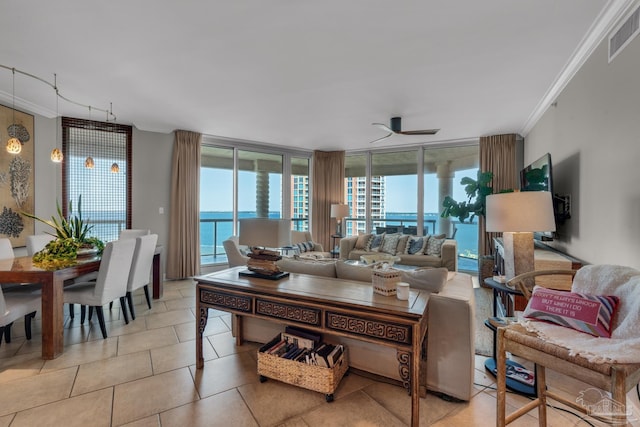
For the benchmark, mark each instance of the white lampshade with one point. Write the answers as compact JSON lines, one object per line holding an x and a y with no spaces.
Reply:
{"x":265,"y":232}
{"x":339,"y":211}
{"x":520,"y":211}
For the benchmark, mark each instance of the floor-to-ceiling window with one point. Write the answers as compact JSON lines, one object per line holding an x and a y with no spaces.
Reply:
{"x":216,"y":201}
{"x":246,"y":182}
{"x":356,"y":193}
{"x":393,"y":182}
{"x":300,"y":193}
{"x":444,"y":168}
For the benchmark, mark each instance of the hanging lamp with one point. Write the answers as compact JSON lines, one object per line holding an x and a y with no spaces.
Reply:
{"x":14,"y":146}
{"x":56,"y":154}
{"x":115,"y":168}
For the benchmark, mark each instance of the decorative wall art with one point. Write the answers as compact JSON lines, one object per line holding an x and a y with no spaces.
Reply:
{"x":16,"y":176}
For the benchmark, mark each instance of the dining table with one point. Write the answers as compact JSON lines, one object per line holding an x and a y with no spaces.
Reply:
{"x":22,"y":270}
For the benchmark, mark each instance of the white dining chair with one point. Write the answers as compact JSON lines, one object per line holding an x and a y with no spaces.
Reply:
{"x":14,"y":305}
{"x":132,"y":233}
{"x":37,"y":242}
{"x":6,"y":252}
{"x":140,"y":273}
{"x":110,"y":285}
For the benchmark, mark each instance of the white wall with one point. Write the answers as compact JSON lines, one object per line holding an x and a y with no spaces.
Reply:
{"x":151,"y":179}
{"x":593,"y":135}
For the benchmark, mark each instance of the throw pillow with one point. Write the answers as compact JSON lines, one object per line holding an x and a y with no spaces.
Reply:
{"x":362,"y":241}
{"x":374,"y":242}
{"x":402,"y":244}
{"x":592,"y":314}
{"x":390,"y":243}
{"x":415,"y":245}
{"x":308,"y":246}
{"x":361,"y":273}
{"x":429,"y":279}
{"x":434,"y":245}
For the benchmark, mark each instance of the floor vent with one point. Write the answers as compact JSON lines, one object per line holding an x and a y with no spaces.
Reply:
{"x":624,"y":33}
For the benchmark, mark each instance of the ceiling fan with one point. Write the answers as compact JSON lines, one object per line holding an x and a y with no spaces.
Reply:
{"x":396,"y":128}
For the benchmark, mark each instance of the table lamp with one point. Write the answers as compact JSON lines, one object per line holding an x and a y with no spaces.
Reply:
{"x":517,"y":215}
{"x":339,"y":212}
{"x":260,"y":234}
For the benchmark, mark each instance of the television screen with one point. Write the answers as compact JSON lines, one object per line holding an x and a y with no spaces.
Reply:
{"x":537,"y":176}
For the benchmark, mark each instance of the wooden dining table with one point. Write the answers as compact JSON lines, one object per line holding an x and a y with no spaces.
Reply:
{"x":22,"y":270}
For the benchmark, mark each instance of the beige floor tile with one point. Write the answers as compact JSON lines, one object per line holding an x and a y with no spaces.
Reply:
{"x":170,"y":318}
{"x":179,"y":356}
{"x":355,"y":409}
{"x":177,"y":304}
{"x":109,"y":372}
{"x":169,"y":294}
{"x":225,"y":373}
{"x":146,"y":340}
{"x":294,"y":422}
{"x":6,"y":420}
{"x":225,"y":344}
{"x":187,"y":331}
{"x":9,"y":350}
{"x":142,"y":398}
{"x":189,"y":291}
{"x":36,"y":390}
{"x":92,"y":409}
{"x":396,"y":400}
{"x":117,"y":328}
{"x":223,"y":409}
{"x":83,"y":353}
{"x":273,"y":402}
{"x":20,"y":366}
{"x":151,"y":421}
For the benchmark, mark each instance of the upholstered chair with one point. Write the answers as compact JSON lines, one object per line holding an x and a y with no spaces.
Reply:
{"x":110,"y":285}
{"x":140,"y":273}
{"x":37,"y":242}
{"x":235,"y":258}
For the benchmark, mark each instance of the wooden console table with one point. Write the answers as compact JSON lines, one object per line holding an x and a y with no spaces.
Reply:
{"x":329,"y":305}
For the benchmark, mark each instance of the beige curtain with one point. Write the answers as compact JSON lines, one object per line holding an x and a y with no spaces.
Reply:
{"x":328,"y":188}
{"x":183,"y":255}
{"x":497,"y":155}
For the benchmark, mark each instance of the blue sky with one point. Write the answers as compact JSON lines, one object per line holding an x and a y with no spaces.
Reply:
{"x":216,"y":191}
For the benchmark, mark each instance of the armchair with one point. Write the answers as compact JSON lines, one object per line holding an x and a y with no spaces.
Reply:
{"x":593,"y":366}
{"x":235,"y":258}
{"x":316,"y":250}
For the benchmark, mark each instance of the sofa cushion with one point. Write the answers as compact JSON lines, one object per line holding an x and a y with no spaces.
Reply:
{"x":429,"y":279}
{"x":375,"y":242}
{"x":316,"y":268}
{"x":361,"y":273}
{"x":402,"y":244}
{"x":361,"y":242}
{"x":415,"y":245}
{"x":305,"y":246}
{"x":434,"y":245}
{"x":390,"y":244}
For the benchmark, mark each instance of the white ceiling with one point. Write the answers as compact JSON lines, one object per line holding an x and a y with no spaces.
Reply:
{"x":298,"y":73}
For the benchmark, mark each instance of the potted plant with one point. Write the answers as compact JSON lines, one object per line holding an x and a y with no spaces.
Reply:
{"x":72,"y":240}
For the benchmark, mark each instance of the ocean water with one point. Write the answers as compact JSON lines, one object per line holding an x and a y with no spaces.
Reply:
{"x":213,"y":233}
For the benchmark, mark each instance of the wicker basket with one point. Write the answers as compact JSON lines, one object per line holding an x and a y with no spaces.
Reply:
{"x":384,"y":281}
{"x":311,"y":377}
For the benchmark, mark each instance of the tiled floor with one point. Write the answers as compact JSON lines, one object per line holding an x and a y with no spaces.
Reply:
{"x":144,"y":375}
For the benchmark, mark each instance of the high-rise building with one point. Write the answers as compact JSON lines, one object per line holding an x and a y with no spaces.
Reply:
{"x":356,"y":190}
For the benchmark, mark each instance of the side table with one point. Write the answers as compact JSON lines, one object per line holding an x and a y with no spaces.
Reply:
{"x":503,"y":309}
{"x":335,"y":250}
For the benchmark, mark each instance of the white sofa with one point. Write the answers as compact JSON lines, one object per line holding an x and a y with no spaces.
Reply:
{"x":451,"y":344}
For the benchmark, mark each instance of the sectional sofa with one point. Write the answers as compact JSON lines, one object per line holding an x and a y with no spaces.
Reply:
{"x":450,"y":343}
{"x":444,"y":254}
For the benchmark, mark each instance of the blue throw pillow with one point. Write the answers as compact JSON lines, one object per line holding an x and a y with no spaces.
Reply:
{"x":415,"y":245}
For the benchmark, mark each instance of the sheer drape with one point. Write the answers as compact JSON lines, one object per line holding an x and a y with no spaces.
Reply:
{"x":497,"y":155}
{"x":328,"y":188}
{"x":183,"y":255}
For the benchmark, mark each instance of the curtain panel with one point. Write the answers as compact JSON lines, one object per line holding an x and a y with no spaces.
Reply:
{"x":183,"y":257}
{"x":328,"y":188}
{"x":497,"y":155}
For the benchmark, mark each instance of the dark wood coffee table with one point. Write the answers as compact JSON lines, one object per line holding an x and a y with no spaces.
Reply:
{"x":328,"y":305}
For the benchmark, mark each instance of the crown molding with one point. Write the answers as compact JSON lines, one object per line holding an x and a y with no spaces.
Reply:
{"x":613,"y":11}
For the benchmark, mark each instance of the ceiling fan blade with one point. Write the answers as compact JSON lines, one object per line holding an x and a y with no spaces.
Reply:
{"x":380,"y":139}
{"x":383,"y":127}
{"x":420,"y":132}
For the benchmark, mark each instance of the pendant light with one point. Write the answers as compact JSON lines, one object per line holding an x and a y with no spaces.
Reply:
{"x":115,"y":168}
{"x":14,"y":146}
{"x":56,"y":154}
{"x":89,"y":163}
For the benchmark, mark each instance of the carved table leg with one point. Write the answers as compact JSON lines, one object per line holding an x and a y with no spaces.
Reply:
{"x":404,"y":368}
{"x":200,"y":326}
